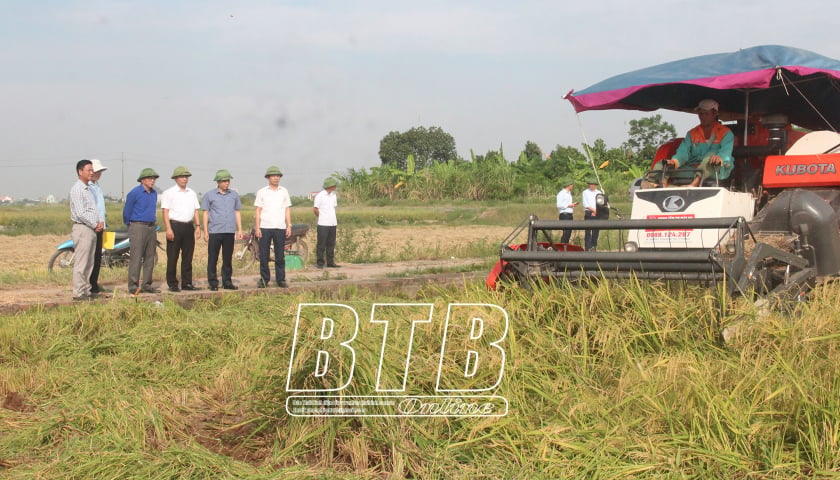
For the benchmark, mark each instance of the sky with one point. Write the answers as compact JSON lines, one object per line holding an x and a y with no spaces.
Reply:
{"x":313,"y":86}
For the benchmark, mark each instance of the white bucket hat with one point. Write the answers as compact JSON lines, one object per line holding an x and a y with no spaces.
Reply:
{"x":97,"y":165}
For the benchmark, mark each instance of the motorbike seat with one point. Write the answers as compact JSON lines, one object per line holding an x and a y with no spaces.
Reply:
{"x":299,"y":229}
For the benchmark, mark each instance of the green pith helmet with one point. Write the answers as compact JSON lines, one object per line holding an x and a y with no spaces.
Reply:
{"x":222,"y":175}
{"x":592,"y":181}
{"x":273,"y":170}
{"x":147,"y":173}
{"x":330,"y":182}
{"x":181,"y":171}
{"x":566,"y":182}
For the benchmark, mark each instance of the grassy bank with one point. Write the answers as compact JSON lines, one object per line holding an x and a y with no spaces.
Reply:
{"x":369,"y":233}
{"x":55,"y":219}
{"x":604,"y":381}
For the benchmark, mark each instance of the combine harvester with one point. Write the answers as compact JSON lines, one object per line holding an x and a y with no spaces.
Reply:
{"x":769,"y":231}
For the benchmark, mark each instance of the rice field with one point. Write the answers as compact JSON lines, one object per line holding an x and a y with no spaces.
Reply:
{"x":605,"y":380}
{"x":602,"y":381}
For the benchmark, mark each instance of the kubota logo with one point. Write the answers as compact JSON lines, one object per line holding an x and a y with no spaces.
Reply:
{"x":674,"y":203}
{"x":803,"y":169}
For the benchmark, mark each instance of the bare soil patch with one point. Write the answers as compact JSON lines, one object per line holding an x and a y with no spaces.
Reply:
{"x":27,"y":256}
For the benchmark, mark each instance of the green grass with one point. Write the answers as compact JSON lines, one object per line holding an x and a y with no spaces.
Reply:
{"x":606,"y":380}
{"x":55,"y":219}
{"x":412,"y":272}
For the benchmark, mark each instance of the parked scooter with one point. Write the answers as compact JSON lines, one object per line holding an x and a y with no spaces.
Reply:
{"x":111,"y":257}
{"x":249,"y":254}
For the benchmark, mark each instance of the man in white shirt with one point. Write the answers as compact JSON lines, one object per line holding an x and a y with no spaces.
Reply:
{"x":590,"y":212}
{"x":565,"y":206}
{"x":180,"y":216}
{"x":324,"y":207}
{"x":274,"y":224}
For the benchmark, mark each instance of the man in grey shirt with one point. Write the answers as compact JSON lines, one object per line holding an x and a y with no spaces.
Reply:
{"x":222,"y":226}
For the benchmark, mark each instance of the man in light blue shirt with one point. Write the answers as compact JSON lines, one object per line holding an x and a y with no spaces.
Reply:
{"x":99,"y":197}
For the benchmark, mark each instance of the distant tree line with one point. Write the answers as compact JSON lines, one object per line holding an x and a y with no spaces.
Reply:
{"x":423,"y":164}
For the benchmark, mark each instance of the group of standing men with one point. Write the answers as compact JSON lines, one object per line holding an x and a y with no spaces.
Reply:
{"x":221,"y":224}
{"x":566,"y":205}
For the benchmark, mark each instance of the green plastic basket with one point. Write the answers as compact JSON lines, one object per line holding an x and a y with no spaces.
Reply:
{"x":293,"y":262}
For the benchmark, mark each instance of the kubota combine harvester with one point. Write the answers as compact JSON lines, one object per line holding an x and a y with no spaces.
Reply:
{"x":770,"y":229}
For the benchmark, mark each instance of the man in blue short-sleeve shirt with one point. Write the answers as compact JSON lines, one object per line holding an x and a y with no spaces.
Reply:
{"x":222,"y":226}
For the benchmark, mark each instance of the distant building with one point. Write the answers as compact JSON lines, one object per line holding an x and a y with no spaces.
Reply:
{"x":50,"y":199}
{"x":6,"y":199}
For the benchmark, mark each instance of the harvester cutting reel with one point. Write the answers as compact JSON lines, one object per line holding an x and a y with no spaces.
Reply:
{"x":708,"y":251}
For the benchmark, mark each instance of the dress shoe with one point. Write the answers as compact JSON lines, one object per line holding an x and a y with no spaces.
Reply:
{"x":230,"y":287}
{"x":282,"y":284}
{"x":319,"y":266}
{"x":214,"y":288}
{"x":150,"y":290}
{"x":174,"y":289}
{"x":82,"y":298}
{"x":189,"y":287}
{"x":95,"y":289}
{"x":333,"y":265}
{"x":261,"y":284}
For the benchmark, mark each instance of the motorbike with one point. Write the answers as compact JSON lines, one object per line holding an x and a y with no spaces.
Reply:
{"x":249,"y":253}
{"x":118,"y":256}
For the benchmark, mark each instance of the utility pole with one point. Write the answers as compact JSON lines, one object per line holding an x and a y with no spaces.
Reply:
{"x":122,"y":175}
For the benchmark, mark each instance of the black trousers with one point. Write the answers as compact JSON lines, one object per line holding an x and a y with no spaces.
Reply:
{"x":567,"y":232}
{"x":223,"y":242}
{"x":590,"y":235}
{"x":97,"y":262}
{"x":325,"y":247}
{"x":183,"y":245}
{"x":278,"y":236}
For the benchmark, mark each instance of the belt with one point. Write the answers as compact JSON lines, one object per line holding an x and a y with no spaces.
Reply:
{"x":178,"y":221}
{"x":148,"y":224}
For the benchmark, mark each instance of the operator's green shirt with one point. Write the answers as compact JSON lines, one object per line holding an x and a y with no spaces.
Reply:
{"x":696,"y":147}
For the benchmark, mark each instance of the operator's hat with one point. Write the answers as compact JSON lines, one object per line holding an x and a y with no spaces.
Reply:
{"x":181,"y":171}
{"x":147,"y":173}
{"x":566,"y":182}
{"x":329,"y":183}
{"x":273,"y":170}
{"x":592,"y":181}
{"x":97,"y":165}
{"x":222,"y":175}
{"x":707,"y":104}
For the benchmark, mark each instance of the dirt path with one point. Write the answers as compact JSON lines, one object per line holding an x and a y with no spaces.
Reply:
{"x":371,"y":275}
{"x":24,"y":259}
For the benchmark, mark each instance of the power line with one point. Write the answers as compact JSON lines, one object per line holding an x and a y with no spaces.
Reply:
{"x":30,"y":165}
